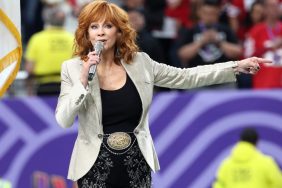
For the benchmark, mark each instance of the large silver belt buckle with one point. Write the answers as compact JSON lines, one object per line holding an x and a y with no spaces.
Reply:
{"x":119,"y":140}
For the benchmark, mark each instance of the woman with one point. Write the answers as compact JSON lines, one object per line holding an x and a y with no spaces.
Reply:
{"x":114,"y":147}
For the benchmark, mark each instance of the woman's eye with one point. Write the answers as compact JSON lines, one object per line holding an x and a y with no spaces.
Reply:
{"x":109,"y":26}
{"x":93,"y":27}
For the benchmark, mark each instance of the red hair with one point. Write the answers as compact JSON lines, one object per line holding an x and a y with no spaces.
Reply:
{"x":109,"y":12}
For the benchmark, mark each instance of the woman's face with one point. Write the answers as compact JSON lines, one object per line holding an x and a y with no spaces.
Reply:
{"x":105,"y":32}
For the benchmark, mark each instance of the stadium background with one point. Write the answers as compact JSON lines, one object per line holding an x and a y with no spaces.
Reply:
{"x":193,"y":132}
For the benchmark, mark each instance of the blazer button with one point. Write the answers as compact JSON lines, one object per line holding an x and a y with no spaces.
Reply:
{"x":100,"y":136}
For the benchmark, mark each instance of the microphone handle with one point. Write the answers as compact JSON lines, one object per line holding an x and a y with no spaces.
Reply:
{"x":92,"y":71}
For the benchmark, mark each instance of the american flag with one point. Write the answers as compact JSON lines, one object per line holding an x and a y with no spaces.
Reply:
{"x":10,"y":46}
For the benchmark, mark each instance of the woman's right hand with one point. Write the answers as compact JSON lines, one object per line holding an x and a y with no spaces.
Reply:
{"x":250,"y":65}
{"x":93,"y":59}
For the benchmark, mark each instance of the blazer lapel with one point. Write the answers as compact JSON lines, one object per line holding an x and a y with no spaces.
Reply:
{"x":96,"y":95}
{"x":94,"y":90}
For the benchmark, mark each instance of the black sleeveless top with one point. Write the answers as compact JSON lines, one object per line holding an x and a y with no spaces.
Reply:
{"x":121,"y":108}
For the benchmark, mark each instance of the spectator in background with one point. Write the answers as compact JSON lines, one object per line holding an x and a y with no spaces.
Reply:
{"x":247,"y":167}
{"x":208,"y":42}
{"x":237,"y":13}
{"x":133,"y":4}
{"x":47,"y":50}
{"x":154,"y":19}
{"x":31,"y":18}
{"x":145,"y":41}
{"x":265,"y":40}
{"x":74,"y":8}
{"x":179,"y":10}
{"x":255,"y":15}
{"x":153,"y":11}
{"x":248,"y":12}
{"x":154,"y":14}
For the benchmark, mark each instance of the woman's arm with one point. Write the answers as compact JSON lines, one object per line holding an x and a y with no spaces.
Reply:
{"x":172,"y":77}
{"x":70,"y":100}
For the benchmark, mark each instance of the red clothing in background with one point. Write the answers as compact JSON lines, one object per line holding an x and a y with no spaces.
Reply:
{"x":181,"y":13}
{"x":258,"y":44}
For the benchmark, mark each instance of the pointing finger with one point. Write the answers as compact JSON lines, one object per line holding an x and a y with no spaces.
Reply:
{"x":262,"y":60}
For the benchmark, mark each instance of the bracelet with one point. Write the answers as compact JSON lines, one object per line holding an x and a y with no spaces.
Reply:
{"x":236,"y":67}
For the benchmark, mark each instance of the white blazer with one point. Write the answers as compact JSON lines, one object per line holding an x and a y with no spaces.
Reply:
{"x":75,"y":100}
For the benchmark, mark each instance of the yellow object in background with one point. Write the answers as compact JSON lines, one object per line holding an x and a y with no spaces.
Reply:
{"x":247,"y":167}
{"x":5,"y":184}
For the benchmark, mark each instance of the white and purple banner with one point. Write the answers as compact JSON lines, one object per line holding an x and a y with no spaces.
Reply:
{"x":192,"y":131}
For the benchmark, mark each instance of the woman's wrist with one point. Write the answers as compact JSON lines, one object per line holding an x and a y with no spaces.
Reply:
{"x":236,"y":67}
{"x":84,"y":77}
{"x":84,"y":81}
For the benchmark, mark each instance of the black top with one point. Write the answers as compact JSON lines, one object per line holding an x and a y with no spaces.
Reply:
{"x":121,"y":108}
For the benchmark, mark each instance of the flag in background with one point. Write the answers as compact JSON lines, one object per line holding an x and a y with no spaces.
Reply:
{"x":10,"y":42}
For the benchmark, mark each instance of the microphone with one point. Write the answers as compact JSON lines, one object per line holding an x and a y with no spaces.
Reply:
{"x":98,"y":47}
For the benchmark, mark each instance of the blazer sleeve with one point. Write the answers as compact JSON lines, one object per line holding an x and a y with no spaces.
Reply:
{"x":172,"y":77}
{"x":70,"y":99}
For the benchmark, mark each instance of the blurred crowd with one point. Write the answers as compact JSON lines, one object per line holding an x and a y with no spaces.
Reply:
{"x":180,"y":33}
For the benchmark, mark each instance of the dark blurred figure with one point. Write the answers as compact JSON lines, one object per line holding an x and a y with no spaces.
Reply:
{"x":209,"y":41}
{"x":46,"y":51}
{"x":238,"y":12}
{"x":255,"y":15}
{"x":247,"y":12}
{"x":265,"y":40}
{"x":247,"y":167}
{"x":145,"y":41}
{"x":153,"y":11}
{"x":31,"y":18}
{"x":154,"y":19}
{"x":154,"y":14}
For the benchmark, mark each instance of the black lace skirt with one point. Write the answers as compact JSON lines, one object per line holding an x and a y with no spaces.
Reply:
{"x":118,"y":169}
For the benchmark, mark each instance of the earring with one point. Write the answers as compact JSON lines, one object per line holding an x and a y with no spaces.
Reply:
{"x":117,"y":52}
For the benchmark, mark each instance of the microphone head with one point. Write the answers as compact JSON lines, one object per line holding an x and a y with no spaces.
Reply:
{"x":98,"y":47}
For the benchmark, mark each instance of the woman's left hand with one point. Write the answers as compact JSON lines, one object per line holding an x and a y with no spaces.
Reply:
{"x":250,"y":65}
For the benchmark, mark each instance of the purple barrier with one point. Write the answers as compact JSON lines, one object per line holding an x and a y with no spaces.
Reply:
{"x":192,"y":131}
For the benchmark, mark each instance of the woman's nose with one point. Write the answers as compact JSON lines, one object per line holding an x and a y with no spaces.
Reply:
{"x":101,"y":31}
